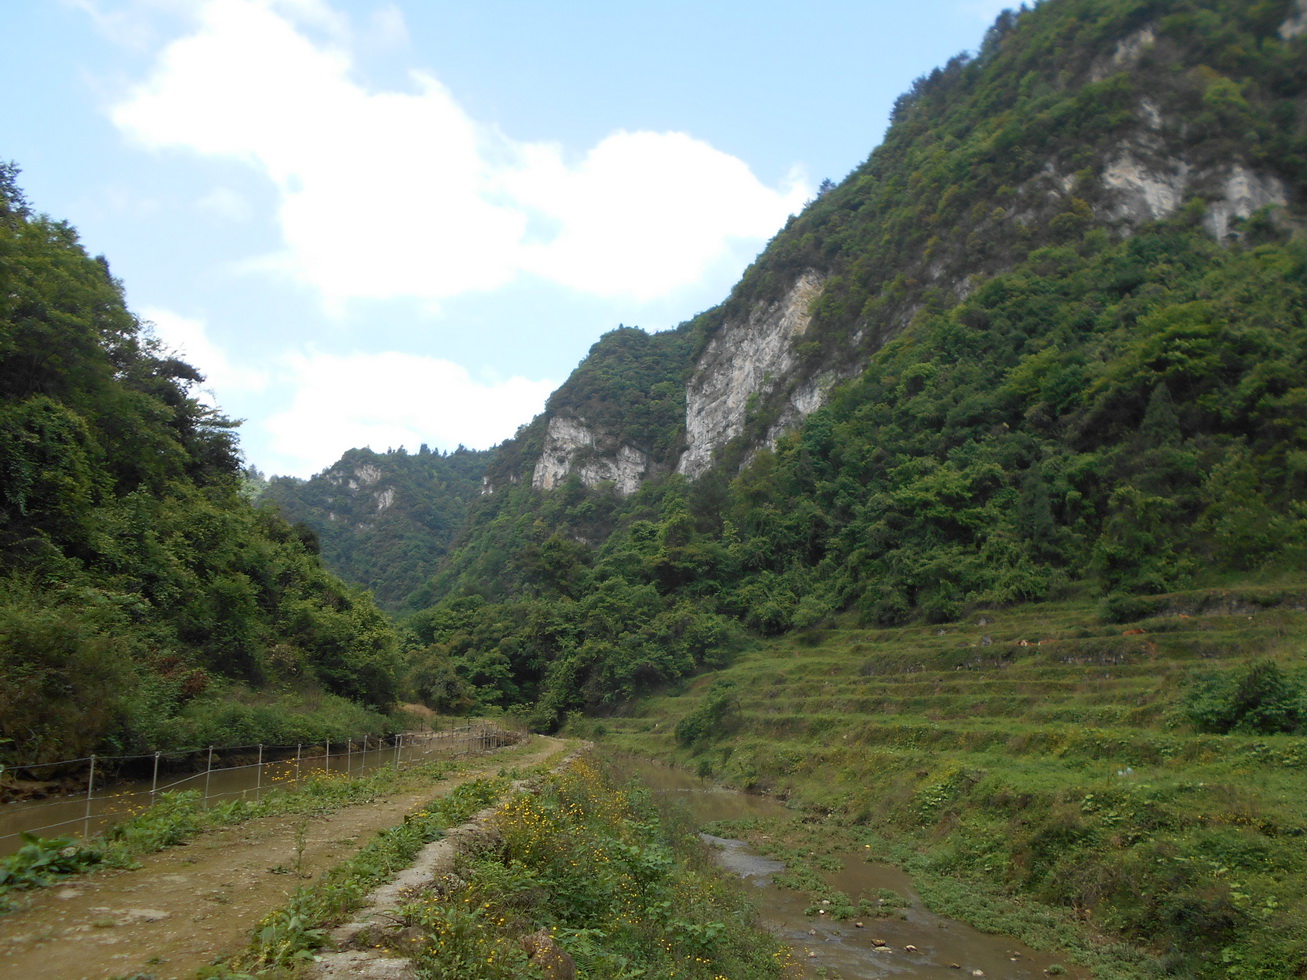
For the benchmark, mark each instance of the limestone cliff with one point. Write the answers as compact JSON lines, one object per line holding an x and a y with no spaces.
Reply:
{"x":1124,"y":132}
{"x":745,"y":359}
{"x":573,"y":446}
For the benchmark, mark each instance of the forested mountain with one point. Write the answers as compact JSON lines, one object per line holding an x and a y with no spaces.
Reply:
{"x":383,"y":520}
{"x":143,"y":602}
{"x":1049,"y":337}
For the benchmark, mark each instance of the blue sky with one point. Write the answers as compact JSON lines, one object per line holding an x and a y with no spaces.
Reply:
{"x":402,"y":222}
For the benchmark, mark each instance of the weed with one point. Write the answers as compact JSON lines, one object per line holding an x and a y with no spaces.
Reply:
{"x":301,"y":839}
{"x":43,"y":861}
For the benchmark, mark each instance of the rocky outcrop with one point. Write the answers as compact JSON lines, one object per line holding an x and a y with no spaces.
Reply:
{"x":360,"y":479}
{"x":1147,"y":191}
{"x":746,"y":358}
{"x":573,"y":446}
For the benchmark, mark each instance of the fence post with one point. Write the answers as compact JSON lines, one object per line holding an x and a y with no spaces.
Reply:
{"x":299,"y":746}
{"x":399,"y":740}
{"x":258,"y":776}
{"x":328,"y":757}
{"x":208,"y":775}
{"x":349,"y":758}
{"x":154,"y":784}
{"x":90,"y":788}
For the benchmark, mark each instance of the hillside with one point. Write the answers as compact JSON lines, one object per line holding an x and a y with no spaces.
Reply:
{"x":383,"y":520}
{"x":143,"y":603}
{"x":1047,"y":340}
{"x":1126,"y":792}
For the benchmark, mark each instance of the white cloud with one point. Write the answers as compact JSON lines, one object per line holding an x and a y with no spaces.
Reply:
{"x":390,"y":194}
{"x":389,"y":400}
{"x":226,"y":204}
{"x":639,"y":202}
{"x":189,"y":339}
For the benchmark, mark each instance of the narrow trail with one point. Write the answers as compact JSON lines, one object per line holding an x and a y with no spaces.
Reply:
{"x":190,"y":905}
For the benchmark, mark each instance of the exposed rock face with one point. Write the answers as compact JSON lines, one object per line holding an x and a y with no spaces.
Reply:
{"x":804,"y":400}
{"x":570,"y":444}
{"x":1148,"y":191}
{"x":1145,"y":192}
{"x":363,"y":476}
{"x":1244,"y":193}
{"x":743,"y":359}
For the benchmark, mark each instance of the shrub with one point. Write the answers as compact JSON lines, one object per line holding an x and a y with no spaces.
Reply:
{"x":1265,"y":700}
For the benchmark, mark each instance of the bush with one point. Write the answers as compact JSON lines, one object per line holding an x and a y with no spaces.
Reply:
{"x":714,"y":714}
{"x":1265,"y":701}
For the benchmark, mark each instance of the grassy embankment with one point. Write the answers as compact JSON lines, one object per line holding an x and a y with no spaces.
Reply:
{"x":1041,"y":769}
{"x":620,"y":891}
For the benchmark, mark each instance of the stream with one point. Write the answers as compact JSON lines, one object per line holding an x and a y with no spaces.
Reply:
{"x":911,"y":942}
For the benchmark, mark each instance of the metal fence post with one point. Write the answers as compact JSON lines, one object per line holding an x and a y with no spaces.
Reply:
{"x":328,"y":757}
{"x":349,"y":758}
{"x":299,"y":746}
{"x":258,"y":776}
{"x":154,"y":783}
{"x":208,"y":775}
{"x":90,"y":788}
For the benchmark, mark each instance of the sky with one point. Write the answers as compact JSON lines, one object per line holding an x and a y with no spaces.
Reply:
{"x":399,"y":223}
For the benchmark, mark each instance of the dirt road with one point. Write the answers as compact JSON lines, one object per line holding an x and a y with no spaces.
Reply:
{"x":190,"y":905}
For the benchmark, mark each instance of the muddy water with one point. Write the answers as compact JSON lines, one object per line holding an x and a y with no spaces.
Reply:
{"x":75,"y":816}
{"x":944,"y":948}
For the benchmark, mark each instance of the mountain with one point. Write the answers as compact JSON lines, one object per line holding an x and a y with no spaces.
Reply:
{"x":144,"y":604}
{"x":383,"y":520}
{"x":1106,"y":116}
{"x":1047,"y":339}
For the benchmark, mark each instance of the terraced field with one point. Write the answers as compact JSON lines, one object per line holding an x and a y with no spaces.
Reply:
{"x":1049,"y":756}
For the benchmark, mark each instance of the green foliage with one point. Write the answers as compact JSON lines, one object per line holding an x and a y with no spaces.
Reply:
{"x":592,"y":865}
{"x":1113,"y":407}
{"x":1263,"y":699}
{"x":713,"y":716}
{"x":383,"y":521}
{"x":1128,"y":796}
{"x":43,"y":861}
{"x":631,"y":387}
{"x":133,"y":575}
{"x":289,"y":935}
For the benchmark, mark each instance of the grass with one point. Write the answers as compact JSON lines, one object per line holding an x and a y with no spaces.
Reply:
{"x":179,"y":817}
{"x":622,"y":892}
{"x":1038,"y":770}
{"x":288,"y":936}
{"x":618,"y":889}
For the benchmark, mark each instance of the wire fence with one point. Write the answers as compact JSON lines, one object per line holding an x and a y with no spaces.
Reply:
{"x":114,"y":788}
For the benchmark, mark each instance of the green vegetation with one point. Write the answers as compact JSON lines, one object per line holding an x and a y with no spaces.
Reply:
{"x":595,"y":867}
{"x":138,"y":590}
{"x":289,"y":935}
{"x":1041,"y":771}
{"x":179,"y":817}
{"x":1051,"y":397}
{"x":1019,"y":607}
{"x":381,"y":520}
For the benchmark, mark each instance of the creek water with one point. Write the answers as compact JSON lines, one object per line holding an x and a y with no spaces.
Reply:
{"x":943,"y":947}
{"x":233,"y":776}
